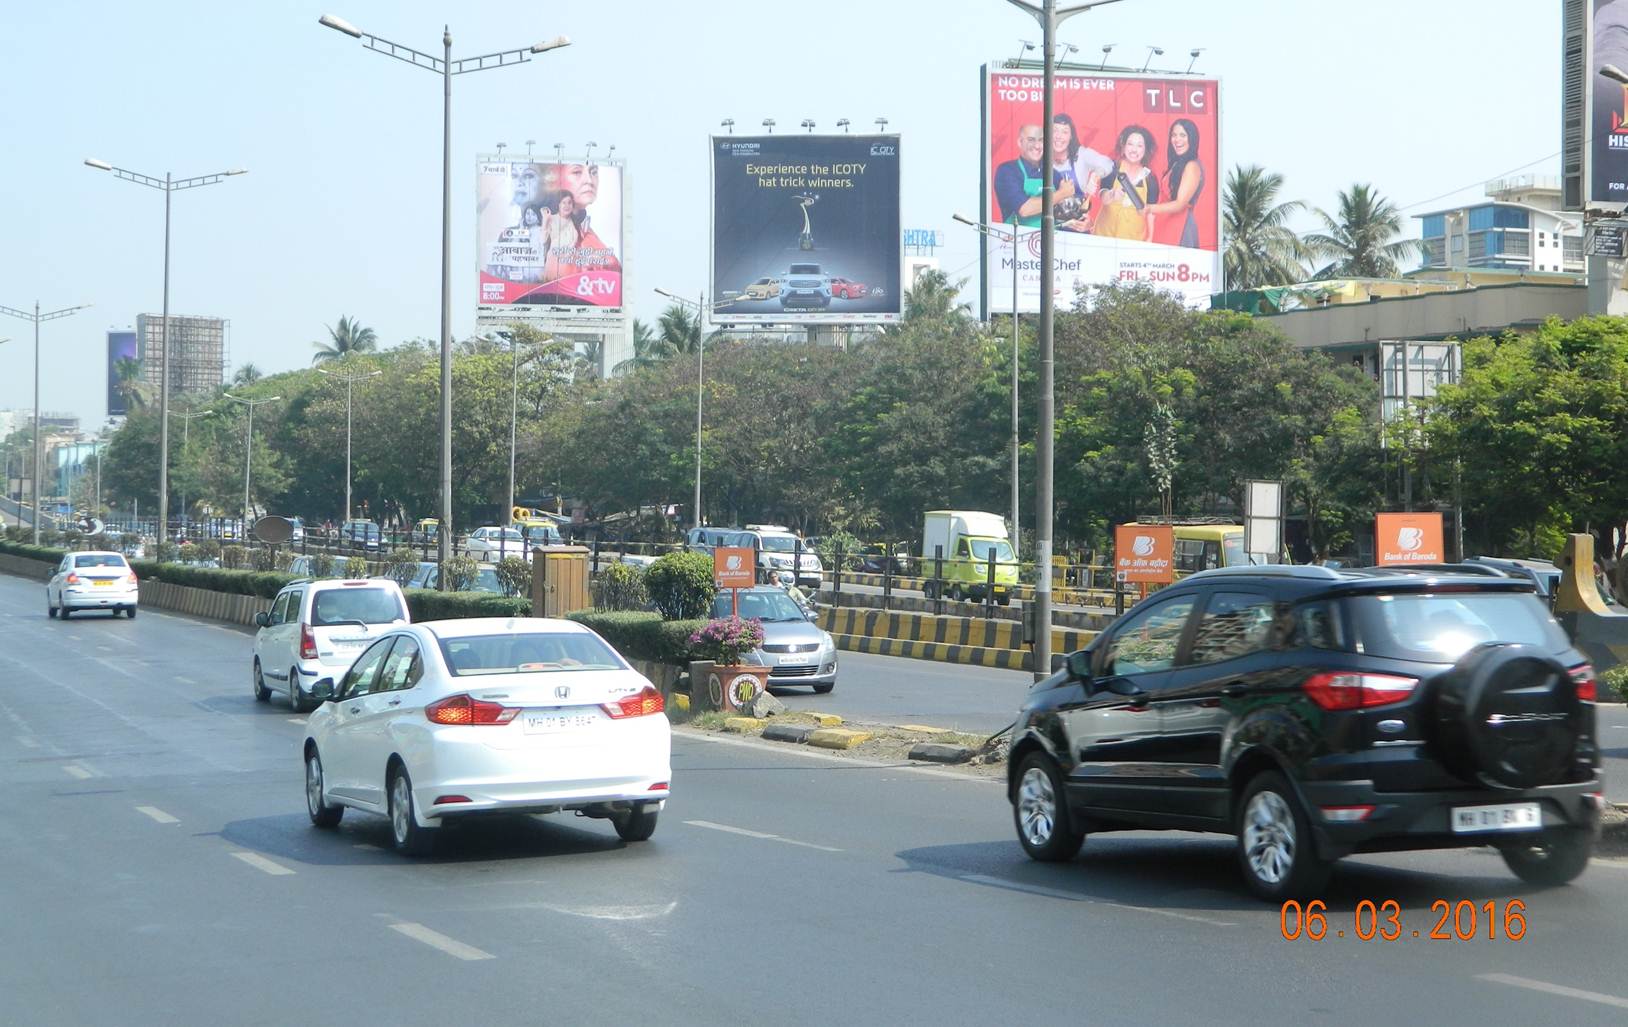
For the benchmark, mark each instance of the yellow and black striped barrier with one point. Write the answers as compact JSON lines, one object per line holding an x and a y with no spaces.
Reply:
{"x":974,"y":640}
{"x":1061,"y":595}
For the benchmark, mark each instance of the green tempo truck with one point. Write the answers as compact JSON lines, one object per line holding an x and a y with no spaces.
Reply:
{"x":968,"y":538}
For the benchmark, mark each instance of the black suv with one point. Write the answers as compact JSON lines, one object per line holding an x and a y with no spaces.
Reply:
{"x":1316,"y":713}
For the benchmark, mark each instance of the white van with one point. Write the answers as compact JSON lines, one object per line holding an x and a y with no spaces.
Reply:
{"x":776,"y":547}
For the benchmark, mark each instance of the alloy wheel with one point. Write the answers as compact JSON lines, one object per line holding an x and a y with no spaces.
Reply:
{"x":1037,"y":805}
{"x":313,"y":784}
{"x":401,"y":808}
{"x":1269,"y":837}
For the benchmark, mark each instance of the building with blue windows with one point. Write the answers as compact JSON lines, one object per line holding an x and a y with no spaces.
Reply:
{"x":1519,"y":227}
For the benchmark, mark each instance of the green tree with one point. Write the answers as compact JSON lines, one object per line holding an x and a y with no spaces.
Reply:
{"x":348,"y":336}
{"x":1361,"y":238}
{"x":679,"y":330}
{"x":1261,"y":249}
{"x":248,"y":374}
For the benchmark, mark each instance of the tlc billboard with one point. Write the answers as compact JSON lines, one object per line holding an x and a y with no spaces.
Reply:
{"x":549,"y":238}
{"x":805,"y":228}
{"x":1135,"y":163}
{"x":121,"y":346}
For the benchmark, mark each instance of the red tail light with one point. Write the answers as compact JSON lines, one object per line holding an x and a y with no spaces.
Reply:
{"x":1349,"y":691}
{"x":308,"y":643}
{"x":131,"y":578}
{"x":1582,"y":676}
{"x":646,"y":702}
{"x":461,"y":709}
{"x":71,"y":579}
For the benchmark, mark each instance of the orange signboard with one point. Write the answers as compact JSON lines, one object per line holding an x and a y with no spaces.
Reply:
{"x":1144,"y":554}
{"x":1404,"y":538}
{"x":734,"y":567}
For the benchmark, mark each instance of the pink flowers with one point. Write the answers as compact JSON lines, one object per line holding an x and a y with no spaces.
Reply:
{"x":726,"y":639}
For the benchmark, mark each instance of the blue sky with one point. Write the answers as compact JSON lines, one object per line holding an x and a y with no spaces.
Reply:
{"x":340,"y":213}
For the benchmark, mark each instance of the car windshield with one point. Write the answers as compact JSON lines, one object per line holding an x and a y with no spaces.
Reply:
{"x":99,"y":560}
{"x":506,"y":533}
{"x":763,"y":606}
{"x":804,"y":269}
{"x":981,"y":549}
{"x":780,"y":543}
{"x":487,"y":580}
{"x":537,"y":652}
{"x":1232,"y":550}
{"x":1442,"y":627}
{"x":351,"y":604}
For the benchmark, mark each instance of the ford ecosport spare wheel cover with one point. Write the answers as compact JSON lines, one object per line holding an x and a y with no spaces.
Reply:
{"x":1508,"y":715}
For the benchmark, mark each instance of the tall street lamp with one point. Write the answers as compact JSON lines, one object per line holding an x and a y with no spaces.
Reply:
{"x":349,"y":380}
{"x":1049,"y":17}
{"x":168,"y":185}
{"x":248,"y":455}
{"x":1011,"y":236}
{"x":446,"y":67}
{"x":37,"y":317}
{"x":186,"y":424}
{"x":700,"y":306}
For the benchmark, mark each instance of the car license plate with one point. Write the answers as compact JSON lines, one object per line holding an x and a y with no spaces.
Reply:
{"x":349,"y":644}
{"x":101,"y":582}
{"x":1515,"y":816}
{"x":796,"y":661}
{"x":552,"y":721}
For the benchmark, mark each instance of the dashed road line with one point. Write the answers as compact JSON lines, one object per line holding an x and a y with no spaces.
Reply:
{"x":436,"y":940}
{"x":157,"y":814}
{"x":1059,"y":893}
{"x":259,"y":862}
{"x":75,"y":770}
{"x":1555,"y":989}
{"x":296,"y":720}
{"x":709,"y":825}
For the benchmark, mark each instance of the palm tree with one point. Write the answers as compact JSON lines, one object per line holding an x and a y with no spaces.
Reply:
{"x":585,"y":361}
{"x":1362,"y":240}
{"x":344,"y":339}
{"x":648,"y":349}
{"x":933,"y":297}
{"x":128,"y":383}
{"x":1261,"y":249}
{"x":248,"y":374}
{"x":680,"y":331}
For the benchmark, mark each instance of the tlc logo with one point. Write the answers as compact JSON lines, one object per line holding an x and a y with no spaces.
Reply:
{"x":1175,"y":97}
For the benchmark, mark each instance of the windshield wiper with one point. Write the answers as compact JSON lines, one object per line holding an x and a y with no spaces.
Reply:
{"x":335,"y":623}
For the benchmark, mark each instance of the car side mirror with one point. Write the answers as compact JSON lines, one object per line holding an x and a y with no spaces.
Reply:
{"x":263,"y":619}
{"x":323,"y":689}
{"x":1079,"y":665}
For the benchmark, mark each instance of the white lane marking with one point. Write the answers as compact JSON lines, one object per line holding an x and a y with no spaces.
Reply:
{"x":296,"y":720}
{"x":709,"y":825}
{"x":75,"y":770}
{"x":436,"y":940}
{"x":157,"y":814}
{"x":260,"y":862}
{"x":1555,"y":989}
{"x":1058,"y":893}
{"x":185,"y":681}
{"x":27,"y":742}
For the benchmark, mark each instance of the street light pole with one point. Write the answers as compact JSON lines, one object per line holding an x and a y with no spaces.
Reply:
{"x":186,"y":435}
{"x":1049,"y":17}
{"x":701,"y":308}
{"x":248,"y":456}
{"x":446,"y":67}
{"x":37,"y":317}
{"x":169,"y":186}
{"x":349,"y":380}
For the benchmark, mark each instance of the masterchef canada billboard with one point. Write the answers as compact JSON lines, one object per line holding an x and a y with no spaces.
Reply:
{"x":1135,"y":162}
{"x":549,"y":237}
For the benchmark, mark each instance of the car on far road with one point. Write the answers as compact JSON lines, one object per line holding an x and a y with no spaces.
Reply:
{"x":846,"y":289}
{"x":91,"y":581}
{"x":428,"y":575}
{"x":494,"y":543}
{"x":316,"y":628}
{"x":796,"y":651}
{"x":297,"y":531}
{"x":446,"y":720}
{"x":778,"y":548}
{"x":360,"y":534}
{"x":705,"y":539}
{"x":762,"y":289}
{"x":301,"y":565}
{"x":1315,"y":713}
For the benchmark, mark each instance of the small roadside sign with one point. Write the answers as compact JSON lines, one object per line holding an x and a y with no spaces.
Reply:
{"x":1404,"y":538}
{"x":734,"y":567}
{"x":1144,"y":554}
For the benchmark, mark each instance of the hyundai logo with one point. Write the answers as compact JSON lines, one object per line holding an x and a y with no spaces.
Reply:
{"x":562,"y":692}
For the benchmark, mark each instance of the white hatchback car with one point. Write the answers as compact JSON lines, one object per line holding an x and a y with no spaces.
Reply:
{"x":459,"y":718}
{"x":315,"y":629}
{"x":494,"y":543}
{"x":91,"y":581}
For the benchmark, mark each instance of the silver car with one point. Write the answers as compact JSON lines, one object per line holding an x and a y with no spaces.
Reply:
{"x":796,"y":651}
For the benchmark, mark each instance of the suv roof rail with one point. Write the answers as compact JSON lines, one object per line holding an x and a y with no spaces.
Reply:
{"x":1177,"y":521}
{"x":1311,"y":572}
{"x":1484,"y":570}
{"x":768,"y":527}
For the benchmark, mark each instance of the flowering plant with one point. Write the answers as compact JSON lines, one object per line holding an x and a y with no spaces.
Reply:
{"x":725,"y":640}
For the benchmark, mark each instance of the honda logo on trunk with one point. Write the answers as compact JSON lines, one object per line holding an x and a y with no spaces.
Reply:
{"x":562,"y":692}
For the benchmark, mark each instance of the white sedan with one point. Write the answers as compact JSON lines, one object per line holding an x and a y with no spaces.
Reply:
{"x":448,"y":719}
{"x":492,"y":543}
{"x":92,"y":581}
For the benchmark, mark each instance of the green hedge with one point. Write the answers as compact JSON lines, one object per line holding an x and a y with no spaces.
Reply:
{"x":429,"y":604}
{"x":33,"y":552}
{"x":640,"y":635}
{"x":265,"y":584}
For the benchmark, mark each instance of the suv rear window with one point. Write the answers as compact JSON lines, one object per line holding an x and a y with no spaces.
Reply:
{"x":368,"y":605}
{"x":1441,"y":627}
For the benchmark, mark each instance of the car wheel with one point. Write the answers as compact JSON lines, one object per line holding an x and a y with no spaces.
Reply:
{"x":927,"y":589}
{"x":63,"y":612}
{"x":636,"y":824}
{"x":956,"y":595}
{"x":1044,"y":824}
{"x":322,"y":814}
{"x":261,"y":692}
{"x":824,"y":689}
{"x":129,"y":611}
{"x":1275,"y":846}
{"x":1005,"y":600}
{"x":50,"y":611}
{"x":1555,"y":857}
{"x":295,"y":699}
{"x":404,"y":830}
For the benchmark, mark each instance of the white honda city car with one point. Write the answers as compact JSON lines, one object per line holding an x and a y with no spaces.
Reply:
{"x":459,"y":718}
{"x":91,"y":581}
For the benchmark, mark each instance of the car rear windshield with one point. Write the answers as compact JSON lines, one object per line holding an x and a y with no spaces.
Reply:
{"x":351,"y":604}
{"x":99,"y":560}
{"x":1441,"y":627}
{"x":536,"y":652}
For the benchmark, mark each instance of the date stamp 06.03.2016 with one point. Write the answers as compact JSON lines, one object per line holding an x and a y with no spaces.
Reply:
{"x":1382,"y":921}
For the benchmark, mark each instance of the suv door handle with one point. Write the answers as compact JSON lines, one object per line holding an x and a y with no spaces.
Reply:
{"x":356,"y":709}
{"x":1234,"y":691}
{"x":394,"y":702}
